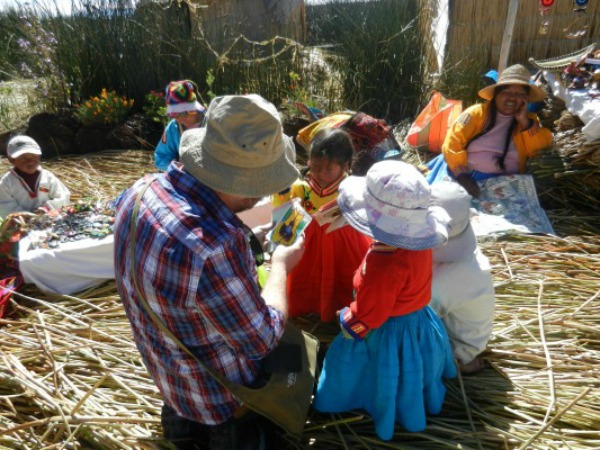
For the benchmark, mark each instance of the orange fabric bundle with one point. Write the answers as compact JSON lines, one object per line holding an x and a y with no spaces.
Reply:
{"x":430,"y":128}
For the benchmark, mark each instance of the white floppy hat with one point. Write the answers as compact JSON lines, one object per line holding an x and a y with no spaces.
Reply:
{"x":462,"y":241}
{"x":392,"y":205}
{"x":242,"y":151}
{"x":20,"y":145}
{"x":516,"y":74}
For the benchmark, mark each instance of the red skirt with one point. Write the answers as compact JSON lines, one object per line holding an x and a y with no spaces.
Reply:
{"x":321,"y":283}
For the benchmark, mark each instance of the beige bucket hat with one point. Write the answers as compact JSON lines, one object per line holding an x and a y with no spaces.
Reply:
{"x":516,"y":74}
{"x":242,"y":151}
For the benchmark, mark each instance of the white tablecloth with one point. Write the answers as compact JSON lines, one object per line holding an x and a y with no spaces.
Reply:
{"x":579,"y":103}
{"x":71,"y":267}
{"x":79,"y":265}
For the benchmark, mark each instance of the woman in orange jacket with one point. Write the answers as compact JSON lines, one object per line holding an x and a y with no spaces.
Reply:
{"x":495,"y":138}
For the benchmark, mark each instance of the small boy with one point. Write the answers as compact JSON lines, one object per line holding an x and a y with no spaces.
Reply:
{"x":26,"y":186}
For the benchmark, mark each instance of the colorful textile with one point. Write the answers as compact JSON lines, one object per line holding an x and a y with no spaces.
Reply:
{"x":373,"y":138}
{"x":321,"y":283}
{"x":313,"y":114}
{"x":198,"y":274}
{"x":335,"y":120}
{"x":472,"y":122}
{"x":16,"y":196}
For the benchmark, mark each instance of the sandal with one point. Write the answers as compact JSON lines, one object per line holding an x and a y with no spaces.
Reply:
{"x":476,"y":365}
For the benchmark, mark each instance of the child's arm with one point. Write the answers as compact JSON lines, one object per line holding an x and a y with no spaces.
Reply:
{"x":59,"y":195}
{"x":8,"y":204}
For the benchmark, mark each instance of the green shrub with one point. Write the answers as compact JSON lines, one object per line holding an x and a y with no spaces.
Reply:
{"x":107,"y":108}
{"x":155,"y":107}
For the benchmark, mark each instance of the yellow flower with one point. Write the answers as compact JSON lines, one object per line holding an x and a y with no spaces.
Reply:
{"x":88,"y":104}
{"x":103,"y":94}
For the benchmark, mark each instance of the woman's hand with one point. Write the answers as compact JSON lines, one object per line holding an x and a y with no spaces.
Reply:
{"x":469,"y":184}
{"x":521,"y":116}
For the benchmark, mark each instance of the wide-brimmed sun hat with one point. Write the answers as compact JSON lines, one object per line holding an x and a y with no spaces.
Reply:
{"x":391,"y":204}
{"x":20,"y":145}
{"x":182,"y":98}
{"x":516,"y":74}
{"x":462,"y":241}
{"x":242,"y":150}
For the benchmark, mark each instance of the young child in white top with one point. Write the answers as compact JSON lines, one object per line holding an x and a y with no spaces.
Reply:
{"x":27,"y":186}
{"x":462,"y":291}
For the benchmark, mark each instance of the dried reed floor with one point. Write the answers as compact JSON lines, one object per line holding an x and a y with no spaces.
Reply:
{"x":71,"y":378}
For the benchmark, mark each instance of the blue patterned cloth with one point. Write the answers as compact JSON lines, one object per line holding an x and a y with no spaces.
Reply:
{"x":438,"y":171}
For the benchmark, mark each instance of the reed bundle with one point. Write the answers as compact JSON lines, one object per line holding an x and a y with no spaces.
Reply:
{"x":568,"y":176}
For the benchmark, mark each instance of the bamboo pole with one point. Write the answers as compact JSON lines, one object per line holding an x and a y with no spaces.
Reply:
{"x":511,"y":18}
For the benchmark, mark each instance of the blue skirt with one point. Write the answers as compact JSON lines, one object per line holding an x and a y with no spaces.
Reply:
{"x":395,"y":374}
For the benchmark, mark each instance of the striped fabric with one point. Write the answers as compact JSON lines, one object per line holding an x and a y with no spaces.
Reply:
{"x":196,"y":270}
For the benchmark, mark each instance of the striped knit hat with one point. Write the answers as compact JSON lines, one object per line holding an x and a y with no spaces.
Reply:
{"x":182,"y":98}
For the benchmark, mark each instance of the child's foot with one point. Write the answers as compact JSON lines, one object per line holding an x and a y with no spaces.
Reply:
{"x":474,"y":366}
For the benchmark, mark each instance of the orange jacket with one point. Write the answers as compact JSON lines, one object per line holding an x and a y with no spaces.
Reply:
{"x":471,"y":123}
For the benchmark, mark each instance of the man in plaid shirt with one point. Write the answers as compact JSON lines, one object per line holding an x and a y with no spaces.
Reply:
{"x":194,"y":267}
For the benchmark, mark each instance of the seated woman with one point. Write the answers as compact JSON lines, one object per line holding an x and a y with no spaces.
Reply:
{"x":494,"y":138}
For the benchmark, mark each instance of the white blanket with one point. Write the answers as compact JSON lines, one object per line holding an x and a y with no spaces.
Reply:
{"x":71,"y":267}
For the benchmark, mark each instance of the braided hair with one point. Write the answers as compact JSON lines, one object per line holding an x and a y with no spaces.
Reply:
{"x":491,"y":121}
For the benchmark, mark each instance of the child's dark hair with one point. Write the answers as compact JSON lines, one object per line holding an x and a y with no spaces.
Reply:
{"x":333,"y":144}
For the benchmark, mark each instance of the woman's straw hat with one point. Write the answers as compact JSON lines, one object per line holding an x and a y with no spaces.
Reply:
{"x":516,"y":74}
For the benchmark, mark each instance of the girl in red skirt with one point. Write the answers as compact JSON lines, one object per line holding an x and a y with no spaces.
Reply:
{"x":322,"y":282}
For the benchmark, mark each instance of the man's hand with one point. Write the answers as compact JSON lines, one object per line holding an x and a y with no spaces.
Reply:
{"x":469,"y":184}
{"x":283,"y":260}
{"x":288,"y":256}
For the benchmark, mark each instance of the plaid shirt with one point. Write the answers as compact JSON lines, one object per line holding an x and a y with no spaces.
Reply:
{"x":196,"y":271}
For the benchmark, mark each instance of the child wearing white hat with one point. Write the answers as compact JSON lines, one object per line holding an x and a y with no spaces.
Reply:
{"x":393,"y":352}
{"x":463,"y":290}
{"x":27,"y":186}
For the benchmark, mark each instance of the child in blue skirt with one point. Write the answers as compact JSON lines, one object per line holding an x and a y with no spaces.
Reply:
{"x":393,"y":352}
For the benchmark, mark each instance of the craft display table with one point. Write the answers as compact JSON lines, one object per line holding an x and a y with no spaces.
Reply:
{"x":70,"y":267}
